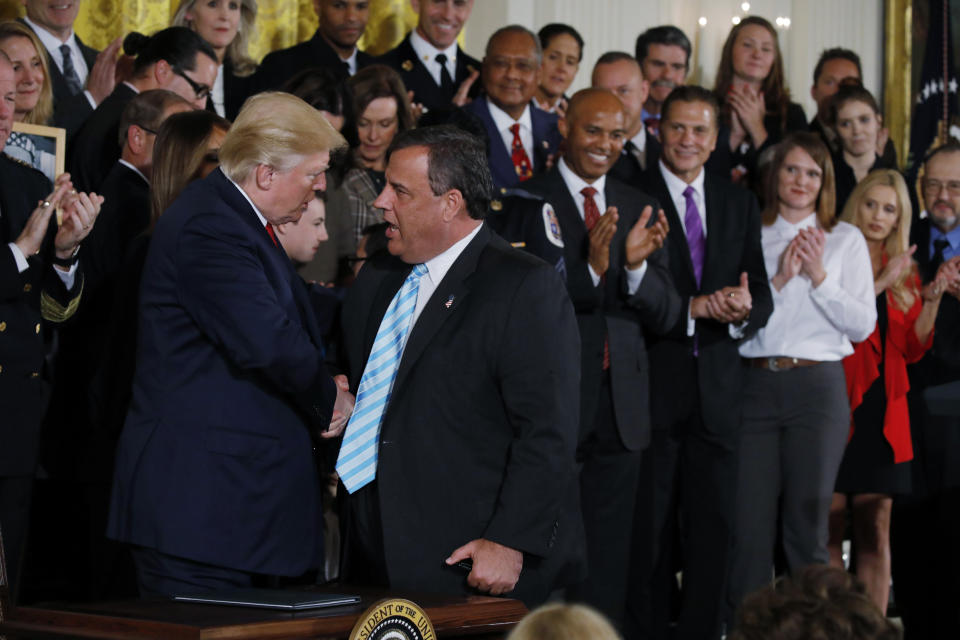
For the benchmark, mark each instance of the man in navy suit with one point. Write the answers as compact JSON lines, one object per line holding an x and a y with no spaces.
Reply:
{"x":523,"y":137}
{"x":81,"y":77}
{"x":430,"y":62}
{"x":215,"y":478}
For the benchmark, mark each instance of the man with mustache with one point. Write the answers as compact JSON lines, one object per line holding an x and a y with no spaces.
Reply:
{"x":664,"y":56}
{"x":523,"y":137}
{"x":621,"y":288}
{"x":928,"y":517}
{"x":333,"y":45}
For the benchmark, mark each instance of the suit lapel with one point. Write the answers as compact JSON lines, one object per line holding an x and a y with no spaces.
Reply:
{"x":452,"y":288}
{"x":673,"y":219}
{"x":716,"y":211}
{"x":540,"y":123}
{"x":501,"y":163}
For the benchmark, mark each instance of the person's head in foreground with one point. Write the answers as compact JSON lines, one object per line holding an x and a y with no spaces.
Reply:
{"x":559,"y":621}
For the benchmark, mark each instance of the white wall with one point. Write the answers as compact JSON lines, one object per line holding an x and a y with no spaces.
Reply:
{"x":614,"y":24}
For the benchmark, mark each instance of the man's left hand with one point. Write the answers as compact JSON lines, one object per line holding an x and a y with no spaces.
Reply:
{"x":80,"y":210}
{"x":496,"y":568}
{"x":643,"y":240}
{"x":731,"y":304}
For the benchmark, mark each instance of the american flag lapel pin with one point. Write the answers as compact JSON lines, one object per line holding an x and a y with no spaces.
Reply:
{"x":449,"y":302}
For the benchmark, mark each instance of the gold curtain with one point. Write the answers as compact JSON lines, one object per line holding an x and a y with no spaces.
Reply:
{"x":280,"y":23}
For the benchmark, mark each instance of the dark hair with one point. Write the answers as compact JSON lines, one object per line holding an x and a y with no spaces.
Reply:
{"x":178,"y":46}
{"x":849,"y":93}
{"x":456,"y":160}
{"x":554,"y":29}
{"x":614,"y":56}
{"x":459,"y":118}
{"x":516,"y":28}
{"x":380,"y":81}
{"x":665,"y":34}
{"x":951,"y":146}
{"x":146,"y":111}
{"x":817,"y":602}
{"x":813,"y":144}
{"x":775,"y":94}
{"x":323,"y":89}
{"x":691,"y":93}
{"x":376,"y":238}
{"x":836,"y":53}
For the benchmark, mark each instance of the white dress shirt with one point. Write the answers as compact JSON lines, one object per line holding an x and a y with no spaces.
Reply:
{"x":217,"y":94}
{"x":437,"y":268}
{"x":503,"y":122}
{"x":67,"y":277}
{"x":427,"y":53}
{"x":817,"y":324}
{"x":52,"y":44}
{"x":640,"y":144}
{"x":576,"y":184}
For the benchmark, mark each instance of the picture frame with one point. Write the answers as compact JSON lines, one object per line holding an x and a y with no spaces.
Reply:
{"x":43,"y":148}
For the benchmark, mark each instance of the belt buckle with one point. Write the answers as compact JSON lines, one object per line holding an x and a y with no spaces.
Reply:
{"x":772,"y":364}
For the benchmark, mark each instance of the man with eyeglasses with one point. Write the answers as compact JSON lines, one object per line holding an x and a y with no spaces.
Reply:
{"x":925,"y":528}
{"x":176,"y":59}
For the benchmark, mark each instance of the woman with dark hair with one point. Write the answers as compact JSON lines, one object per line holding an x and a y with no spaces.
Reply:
{"x":326,"y":91}
{"x":855,"y":116}
{"x":227,"y":26}
{"x":751,"y":88}
{"x":562,"y":53}
{"x":795,"y":409}
{"x":873,"y":467}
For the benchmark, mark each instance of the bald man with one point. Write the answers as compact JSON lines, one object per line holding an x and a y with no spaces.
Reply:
{"x":621,"y":288}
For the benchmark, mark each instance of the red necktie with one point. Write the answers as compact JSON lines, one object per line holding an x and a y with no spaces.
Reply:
{"x":521,"y":161}
{"x":273,"y":235}
{"x":591,"y":214}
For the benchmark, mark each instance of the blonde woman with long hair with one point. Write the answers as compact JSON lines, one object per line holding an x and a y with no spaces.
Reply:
{"x":879,"y":444}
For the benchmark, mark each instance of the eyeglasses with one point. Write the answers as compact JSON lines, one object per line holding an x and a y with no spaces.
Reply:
{"x":201,"y":90}
{"x":933,"y":187}
{"x":147,"y":129}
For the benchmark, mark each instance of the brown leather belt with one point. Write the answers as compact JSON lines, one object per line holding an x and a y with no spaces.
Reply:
{"x":780,"y":363}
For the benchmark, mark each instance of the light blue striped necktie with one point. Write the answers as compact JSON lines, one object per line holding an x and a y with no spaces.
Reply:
{"x":357,"y":461}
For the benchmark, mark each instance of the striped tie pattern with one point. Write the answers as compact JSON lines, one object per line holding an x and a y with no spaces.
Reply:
{"x":357,"y":461}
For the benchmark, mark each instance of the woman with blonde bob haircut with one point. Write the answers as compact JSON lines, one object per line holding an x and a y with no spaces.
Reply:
{"x":879,"y":444}
{"x":795,"y":409}
{"x":34,"y":97}
{"x":277,"y":130}
{"x":563,"y":622}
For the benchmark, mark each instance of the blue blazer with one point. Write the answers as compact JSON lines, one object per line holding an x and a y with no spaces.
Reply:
{"x":215,"y":460}
{"x":546,"y":142}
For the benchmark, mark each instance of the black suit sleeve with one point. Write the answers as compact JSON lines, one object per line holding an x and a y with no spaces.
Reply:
{"x":656,"y":300}
{"x":752,"y":263}
{"x":539,"y":377}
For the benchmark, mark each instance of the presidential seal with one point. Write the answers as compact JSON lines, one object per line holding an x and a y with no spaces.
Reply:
{"x":393,"y":619}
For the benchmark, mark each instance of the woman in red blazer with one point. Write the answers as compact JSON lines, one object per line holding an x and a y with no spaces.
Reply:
{"x":872,"y":470}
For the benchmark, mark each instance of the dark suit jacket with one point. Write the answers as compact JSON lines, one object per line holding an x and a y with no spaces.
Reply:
{"x":527,"y":221}
{"x":96,"y":147}
{"x":279,"y":66}
{"x":628,"y":170}
{"x":69,"y":110}
{"x":607,"y":312}
{"x":733,"y":246}
{"x":546,"y":142}
{"x":236,"y":90}
{"x":26,"y":300}
{"x":404,"y":60}
{"x":479,"y":435}
{"x":215,"y":460}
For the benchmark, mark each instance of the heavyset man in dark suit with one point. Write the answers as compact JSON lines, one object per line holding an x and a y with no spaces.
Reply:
{"x":621,"y":289}
{"x":215,"y":478}
{"x":81,"y":77}
{"x":523,"y":137}
{"x":465,"y":451}
{"x":333,"y":45}
{"x":925,"y":527}
{"x":39,"y":280}
{"x":430,"y":62}
{"x":176,"y":59}
{"x":620,"y":73}
{"x":717,"y":265}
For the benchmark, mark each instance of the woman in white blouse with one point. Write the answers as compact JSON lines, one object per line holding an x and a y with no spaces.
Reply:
{"x":796,"y":415}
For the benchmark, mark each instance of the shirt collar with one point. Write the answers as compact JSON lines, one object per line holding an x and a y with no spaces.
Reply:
{"x":504,"y":121}
{"x":351,"y":62}
{"x":640,"y":140}
{"x":134,"y":169}
{"x":676,"y":186}
{"x":426,"y":52}
{"x":438,"y":265}
{"x":952,"y":236}
{"x":50,"y":41}
{"x":646,"y":115}
{"x":789,"y":229}
{"x":575,"y":183}
{"x":263,"y":220}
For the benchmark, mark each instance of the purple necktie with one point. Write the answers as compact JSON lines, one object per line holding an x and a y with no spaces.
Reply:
{"x":694,"y":226}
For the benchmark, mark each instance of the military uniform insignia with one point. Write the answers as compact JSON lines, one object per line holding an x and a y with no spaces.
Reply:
{"x":551,"y":226}
{"x":393,"y":619}
{"x":496,"y":205}
{"x":407,"y":65}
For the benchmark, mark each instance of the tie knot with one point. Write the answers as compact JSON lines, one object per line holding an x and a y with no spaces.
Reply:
{"x":588,"y":192}
{"x":688,"y":193}
{"x":419,"y":270}
{"x":441,"y":58}
{"x":940,"y":244}
{"x":515,"y":128}
{"x":65,"y":49}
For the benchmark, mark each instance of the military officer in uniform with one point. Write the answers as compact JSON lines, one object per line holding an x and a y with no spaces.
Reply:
{"x":528,"y":222}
